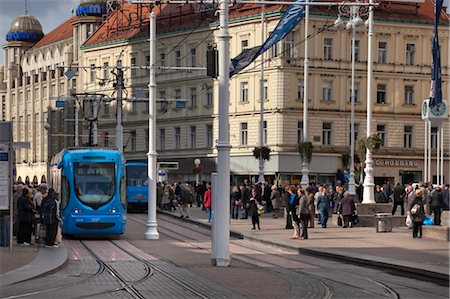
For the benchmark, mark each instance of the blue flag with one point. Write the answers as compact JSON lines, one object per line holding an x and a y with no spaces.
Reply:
{"x":436,"y":76}
{"x":290,"y":19}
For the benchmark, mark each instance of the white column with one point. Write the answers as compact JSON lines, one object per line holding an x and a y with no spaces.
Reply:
{"x":425,"y":158}
{"x":305,"y":165}
{"x":369,"y":196}
{"x":261,"y":108}
{"x":351,"y":182}
{"x":442,"y":154}
{"x":430,"y":176}
{"x":152,"y":232}
{"x":222,"y":217}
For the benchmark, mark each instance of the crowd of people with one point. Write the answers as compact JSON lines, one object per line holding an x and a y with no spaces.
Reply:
{"x":303,"y":208}
{"x":36,"y":209}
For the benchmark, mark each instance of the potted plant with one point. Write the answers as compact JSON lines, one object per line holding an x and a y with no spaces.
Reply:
{"x":345,"y":160}
{"x":305,"y":150}
{"x":263,"y":152}
{"x":372,"y":143}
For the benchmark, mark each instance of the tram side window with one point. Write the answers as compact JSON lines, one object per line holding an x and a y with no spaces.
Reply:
{"x":123,"y":192}
{"x":65,"y":192}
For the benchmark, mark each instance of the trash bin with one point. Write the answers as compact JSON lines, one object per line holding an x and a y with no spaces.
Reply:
{"x":383,"y":222}
{"x":4,"y":231}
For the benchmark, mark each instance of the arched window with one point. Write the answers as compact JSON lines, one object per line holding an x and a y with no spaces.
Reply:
{"x":43,"y":180}
{"x":19,"y":180}
{"x":27,"y":180}
{"x":35,"y":180}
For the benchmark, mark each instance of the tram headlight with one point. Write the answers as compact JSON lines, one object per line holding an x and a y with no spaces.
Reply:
{"x":76,"y":211}
{"x":113,"y":210}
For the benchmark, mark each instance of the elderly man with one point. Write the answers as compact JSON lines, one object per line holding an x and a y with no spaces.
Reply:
{"x":42,"y":189}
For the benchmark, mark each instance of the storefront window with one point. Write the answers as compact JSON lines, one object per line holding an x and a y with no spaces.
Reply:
{"x":407,"y":176}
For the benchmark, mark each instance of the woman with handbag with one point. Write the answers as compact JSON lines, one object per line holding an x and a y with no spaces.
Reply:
{"x":253,"y":209}
{"x":417,"y":212}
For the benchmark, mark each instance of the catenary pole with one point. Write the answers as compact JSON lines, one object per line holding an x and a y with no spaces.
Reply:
{"x":119,"y":127}
{"x":152,"y":232}
{"x":261,"y":108}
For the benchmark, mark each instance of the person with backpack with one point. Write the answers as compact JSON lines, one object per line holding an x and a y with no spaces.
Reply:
{"x":37,"y":200}
{"x":50,"y":217}
{"x":417,"y":212}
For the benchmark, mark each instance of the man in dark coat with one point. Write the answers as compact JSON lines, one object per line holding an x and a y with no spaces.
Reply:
{"x":436,"y":205}
{"x":399,"y":195}
{"x":50,"y":217}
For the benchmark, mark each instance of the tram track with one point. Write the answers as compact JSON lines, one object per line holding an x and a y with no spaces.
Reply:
{"x":326,"y":283}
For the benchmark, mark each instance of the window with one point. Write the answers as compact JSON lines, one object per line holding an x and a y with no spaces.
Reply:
{"x":288,"y":45}
{"x":133,"y":107}
{"x":105,"y":70}
{"x":177,"y":138}
{"x":434,"y":137}
{"x":265,"y":89}
{"x":193,"y":57}
{"x":147,"y":64}
{"x":193,"y":136}
{"x":381,"y":94}
{"x":162,"y":139}
{"x":382,"y":52}
{"x":92,"y":74}
{"x":327,"y":91}
{"x":244,"y":44}
{"x":410,"y":54}
{"x":193,"y":96}
{"x":133,"y":64}
{"x":146,"y":139}
{"x":209,"y":135}
{"x":326,"y":133}
{"x":355,"y":133}
{"x":300,"y":89}
{"x":13,"y":99}
{"x":244,"y":92}
{"x":178,"y":58}
{"x":106,"y":108}
{"x":53,"y":90}
{"x":105,"y":139}
{"x":244,"y":133}
{"x":28,"y":95}
{"x":357,"y":93}
{"x":61,"y":88}
{"x":328,"y":48}
{"x":133,"y":140}
{"x":274,"y":50}
{"x":209,"y":96}
{"x":408,"y":137}
{"x":409,"y":95}
{"x":357,"y":50}
{"x":381,"y":131}
{"x":162,"y":61}
{"x":162,"y":104}
{"x":177,"y":94}
{"x":300,"y":131}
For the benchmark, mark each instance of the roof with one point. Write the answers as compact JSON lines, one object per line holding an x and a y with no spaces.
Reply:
{"x":63,"y":31}
{"x":124,"y":25}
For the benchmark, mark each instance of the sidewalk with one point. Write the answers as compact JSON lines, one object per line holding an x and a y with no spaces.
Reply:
{"x":396,"y":250}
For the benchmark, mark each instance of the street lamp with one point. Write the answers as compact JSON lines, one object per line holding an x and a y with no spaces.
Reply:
{"x":197,"y":163}
{"x":354,"y":14}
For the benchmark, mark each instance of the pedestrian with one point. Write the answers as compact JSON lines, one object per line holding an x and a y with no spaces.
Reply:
{"x":446,"y":197}
{"x":380,"y":197}
{"x":316,"y":198}
{"x":303,"y":214}
{"x":50,"y":216}
{"x":310,"y":206}
{"x":436,"y":205}
{"x":37,"y":201}
{"x":185,"y":199}
{"x":207,"y":199}
{"x":25,"y":215}
{"x":323,"y":203}
{"x":245,"y":198}
{"x":286,"y":203}
{"x":275,"y":198}
{"x":337,"y":198}
{"x":253,"y":209}
{"x":399,"y":195}
{"x":18,"y":192}
{"x":235,"y":202}
{"x":347,"y":210}
{"x":293,"y":203}
{"x":417,"y":212}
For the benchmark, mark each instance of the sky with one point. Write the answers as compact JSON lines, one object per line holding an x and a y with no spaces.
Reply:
{"x":50,"y":13}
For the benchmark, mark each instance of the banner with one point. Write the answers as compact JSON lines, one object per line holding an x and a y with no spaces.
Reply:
{"x":436,"y":76}
{"x":290,"y":19}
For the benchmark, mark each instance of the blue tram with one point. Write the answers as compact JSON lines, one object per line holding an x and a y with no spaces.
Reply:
{"x":91,"y":184}
{"x":137,"y":185}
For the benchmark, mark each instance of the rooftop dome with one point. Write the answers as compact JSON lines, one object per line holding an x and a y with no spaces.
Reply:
{"x":25,"y":28}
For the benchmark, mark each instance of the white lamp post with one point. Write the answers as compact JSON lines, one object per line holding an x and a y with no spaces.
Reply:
{"x":353,"y":12}
{"x":197,"y":163}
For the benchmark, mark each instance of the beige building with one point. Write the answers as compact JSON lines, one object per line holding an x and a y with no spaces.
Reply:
{"x":402,"y":47}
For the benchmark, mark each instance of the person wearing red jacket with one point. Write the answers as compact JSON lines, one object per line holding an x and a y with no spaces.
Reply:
{"x":207,"y":200}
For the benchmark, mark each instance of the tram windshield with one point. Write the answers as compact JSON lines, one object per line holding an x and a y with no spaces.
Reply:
{"x":136,"y":175}
{"x":94,"y":182}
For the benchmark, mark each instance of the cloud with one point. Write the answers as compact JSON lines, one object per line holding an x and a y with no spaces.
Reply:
{"x":50,"y":13}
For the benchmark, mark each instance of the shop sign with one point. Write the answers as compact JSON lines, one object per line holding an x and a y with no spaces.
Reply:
{"x":86,"y":10}
{"x":396,"y":163}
